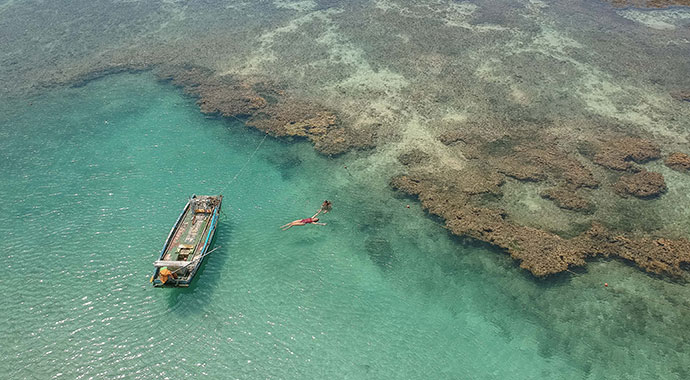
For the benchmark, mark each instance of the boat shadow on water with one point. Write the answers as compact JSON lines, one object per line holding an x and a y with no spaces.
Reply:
{"x":185,"y":301}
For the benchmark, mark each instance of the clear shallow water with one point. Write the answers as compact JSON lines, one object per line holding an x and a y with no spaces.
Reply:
{"x":93,"y":177}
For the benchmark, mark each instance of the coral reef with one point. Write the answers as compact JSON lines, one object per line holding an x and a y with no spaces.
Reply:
{"x":541,"y":252}
{"x":567,"y":198}
{"x":341,"y":140}
{"x":469,"y":199}
{"x":650,"y":3}
{"x":414,"y":156}
{"x":643,"y":184}
{"x":526,"y":159}
{"x":655,"y":255}
{"x":622,"y":154}
{"x":559,"y":164}
{"x":520,"y":171}
{"x":268,"y":108}
{"x":678,"y":161}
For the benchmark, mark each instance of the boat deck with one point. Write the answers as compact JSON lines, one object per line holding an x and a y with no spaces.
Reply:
{"x":188,"y":236}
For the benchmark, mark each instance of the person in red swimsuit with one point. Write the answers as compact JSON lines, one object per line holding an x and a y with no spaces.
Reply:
{"x":301,"y":222}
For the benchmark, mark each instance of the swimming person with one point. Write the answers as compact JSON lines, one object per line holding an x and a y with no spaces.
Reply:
{"x":325,"y":207}
{"x":301,"y":222}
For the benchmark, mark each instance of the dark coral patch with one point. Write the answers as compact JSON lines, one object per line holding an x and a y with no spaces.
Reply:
{"x":650,"y":3}
{"x":567,"y":198}
{"x":678,"y":161}
{"x":269,"y":108}
{"x":622,"y":154}
{"x":413,"y":157}
{"x":541,"y":252}
{"x":644,"y":184}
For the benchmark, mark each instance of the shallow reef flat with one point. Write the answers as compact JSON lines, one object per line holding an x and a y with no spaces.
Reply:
{"x":537,"y":127}
{"x":650,"y":3}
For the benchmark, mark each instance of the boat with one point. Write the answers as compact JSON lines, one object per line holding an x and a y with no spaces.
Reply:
{"x":188,"y":243}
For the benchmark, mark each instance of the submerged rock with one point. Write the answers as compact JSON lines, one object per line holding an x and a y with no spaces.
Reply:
{"x":644,"y":184}
{"x":678,"y":161}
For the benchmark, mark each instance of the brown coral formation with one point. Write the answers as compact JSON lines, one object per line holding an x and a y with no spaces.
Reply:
{"x":225,"y":95}
{"x":341,"y":140}
{"x":530,"y":160}
{"x":655,"y":255}
{"x":521,"y":171}
{"x":538,"y":251}
{"x":269,"y":109}
{"x":567,"y":198}
{"x":469,"y":199}
{"x":475,"y":180}
{"x":452,"y":137}
{"x":414,"y":156}
{"x":524,"y":159}
{"x":644,"y":184}
{"x":650,"y":3}
{"x":683,"y":96}
{"x":622,"y":154}
{"x":558,"y":163}
{"x":678,"y":161}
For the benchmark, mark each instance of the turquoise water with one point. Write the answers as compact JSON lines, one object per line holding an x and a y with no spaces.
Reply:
{"x":93,"y":177}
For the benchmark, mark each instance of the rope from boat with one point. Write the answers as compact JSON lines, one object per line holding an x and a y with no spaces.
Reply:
{"x":248,"y":160}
